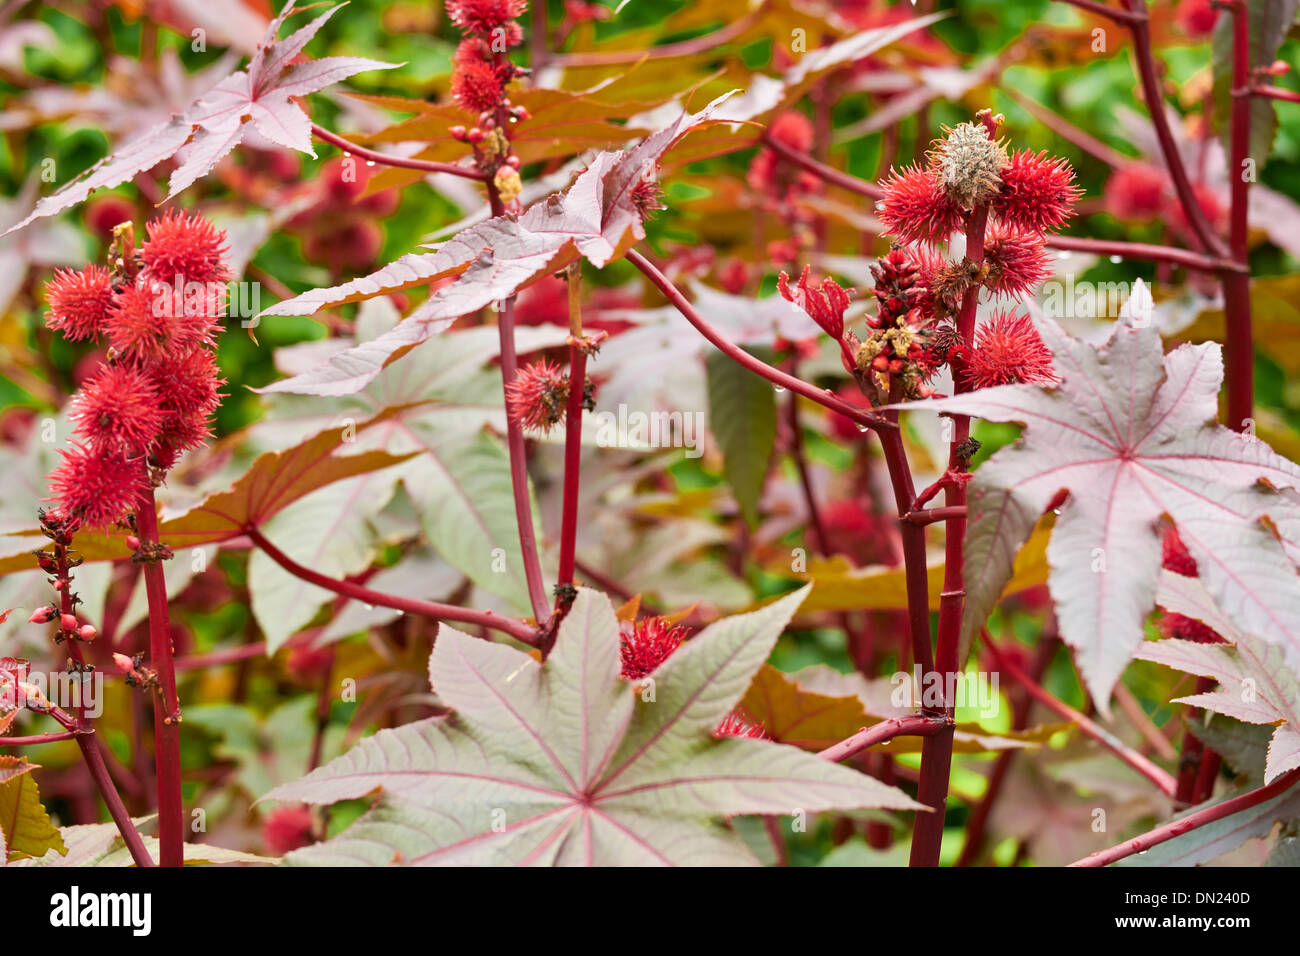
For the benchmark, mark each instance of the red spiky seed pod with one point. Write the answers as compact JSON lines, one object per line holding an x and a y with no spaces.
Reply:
{"x":189,"y":392}
{"x":80,"y":302}
{"x":1038,"y":192}
{"x":187,"y":246}
{"x":1008,"y":350}
{"x":477,"y":86}
{"x":97,"y":489}
{"x":1137,"y":192}
{"x":1017,"y":261}
{"x":118,"y":410}
{"x":537,"y":397}
{"x":915,"y":208}
{"x":647,"y":644}
{"x":138,"y":331}
{"x":481,"y":17}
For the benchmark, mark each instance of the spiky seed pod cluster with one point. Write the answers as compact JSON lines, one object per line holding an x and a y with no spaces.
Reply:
{"x":480,"y":73}
{"x":1008,"y":350}
{"x":159,"y":311}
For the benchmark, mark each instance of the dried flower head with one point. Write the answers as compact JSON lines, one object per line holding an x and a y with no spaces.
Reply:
{"x":647,"y":644}
{"x":1038,"y":192}
{"x":80,"y":302}
{"x":1008,"y":350}
{"x":969,"y":165}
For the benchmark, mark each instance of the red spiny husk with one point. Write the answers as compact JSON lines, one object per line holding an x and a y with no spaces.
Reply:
{"x":1017,"y":260}
{"x":80,"y":302}
{"x":826,"y":302}
{"x":477,"y":85}
{"x":735,"y":724}
{"x":537,"y":396}
{"x":647,"y":644}
{"x":915,"y":208}
{"x":186,"y":246}
{"x":97,"y":488}
{"x":188,"y":389}
{"x":1038,"y":192}
{"x":1008,"y":350}
{"x":118,"y":410}
{"x":139,"y":332}
{"x":481,"y":17}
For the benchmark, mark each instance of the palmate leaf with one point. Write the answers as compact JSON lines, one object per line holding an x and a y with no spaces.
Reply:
{"x":260,"y":97}
{"x":1129,"y":437}
{"x":25,"y":824}
{"x":564,"y":763}
{"x":1255,"y":684}
{"x":595,"y":219}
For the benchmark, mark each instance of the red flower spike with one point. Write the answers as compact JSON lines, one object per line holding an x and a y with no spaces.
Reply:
{"x":189,"y":247}
{"x":915,"y":208}
{"x":1018,"y":261}
{"x":825,"y":304}
{"x":735,"y":725}
{"x":1008,"y":350}
{"x":118,"y":410}
{"x":1038,"y":192}
{"x":97,"y":488}
{"x":647,"y":644}
{"x":80,"y":302}
{"x":481,"y":17}
{"x":536,"y":398}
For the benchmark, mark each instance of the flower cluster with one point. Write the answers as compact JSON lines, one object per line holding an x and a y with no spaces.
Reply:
{"x":538,"y":396}
{"x":159,"y":311}
{"x":480,"y":73}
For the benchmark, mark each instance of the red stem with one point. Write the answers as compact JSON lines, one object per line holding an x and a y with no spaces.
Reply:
{"x":1168,"y":147}
{"x":442,"y":612}
{"x":383,"y":159}
{"x":915,"y":567}
{"x":519,"y":469}
{"x":774,"y":375}
{"x":36,"y":739}
{"x":827,"y":173}
{"x":934,"y":515}
{"x":1157,"y":775}
{"x":914,"y":725}
{"x":1274,"y":93}
{"x":1142,"y":250}
{"x":167,"y":711}
{"x":1239,"y":352}
{"x":1119,"y":16}
{"x":125,"y":825}
{"x":1192,"y":821}
{"x":572,"y":462}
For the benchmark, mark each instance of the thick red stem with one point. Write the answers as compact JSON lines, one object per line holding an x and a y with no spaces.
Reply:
{"x":916,"y":725}
{"x":383,"y":159}
{"x":167,"y":710}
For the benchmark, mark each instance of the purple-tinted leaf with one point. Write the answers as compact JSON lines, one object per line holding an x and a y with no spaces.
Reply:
{"x":565,"y":763}
{"x":1129,"y":435}
{"x":595,"y":219}
{"x":216,"y":122}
